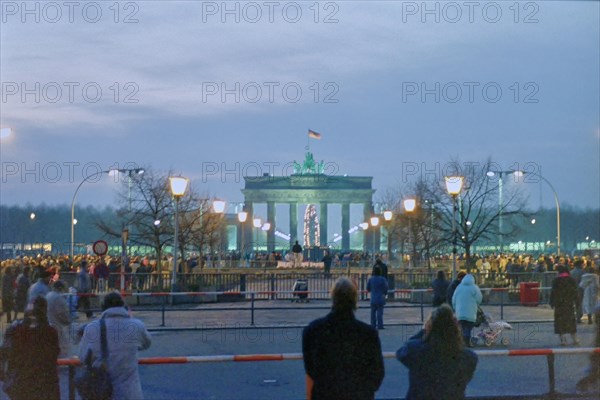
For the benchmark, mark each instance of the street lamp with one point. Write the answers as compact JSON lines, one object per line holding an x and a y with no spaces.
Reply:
{"x":125,"y":234}
{"x":374,"y":224}
{"x":178,"y":186}
{"x":501,"y":174}
{"x":387,"y":217}
{"x":257,"y":224}
{"x":556,"y":201}
{"x":219,"y":207}
{"x":409,"y":207}
{"x":5,"y":133}
{"x":73,"y":220}
{"x":454,"y":185}
{"x":242,"y":217}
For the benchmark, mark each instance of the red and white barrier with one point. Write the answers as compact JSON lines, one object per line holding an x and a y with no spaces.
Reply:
{"x":298,"y":356}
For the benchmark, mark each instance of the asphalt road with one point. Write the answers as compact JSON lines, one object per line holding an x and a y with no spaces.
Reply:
{"x":280,"y":331}
{"x":285,"y":379}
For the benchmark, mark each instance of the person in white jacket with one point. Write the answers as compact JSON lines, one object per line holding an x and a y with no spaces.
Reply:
{"x":125,"y":337}
{"x":59,"y":317}
{"x":465,"y":301}
{"x":590,"y":285}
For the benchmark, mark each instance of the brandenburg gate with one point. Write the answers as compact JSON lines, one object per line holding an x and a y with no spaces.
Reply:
{"x":309,"y":185}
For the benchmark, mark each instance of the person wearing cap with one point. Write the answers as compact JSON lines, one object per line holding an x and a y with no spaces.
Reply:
{"x":125,"y":337}
{"x":342,"y":355}
{"x":59,"y":316}
{"x":40,"y":287}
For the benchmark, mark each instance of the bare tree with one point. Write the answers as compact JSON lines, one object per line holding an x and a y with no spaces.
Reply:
{"x":478,"y":207}
{"x":199,"y":228}
{"x":478,"y":210}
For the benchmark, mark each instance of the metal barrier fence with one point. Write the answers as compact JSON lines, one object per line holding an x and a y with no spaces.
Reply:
{"x":282,"y":280}
{"x":404,"y":298}
{"x":548,"y":353}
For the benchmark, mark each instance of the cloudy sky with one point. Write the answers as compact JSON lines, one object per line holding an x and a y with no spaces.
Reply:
{"x":219,"y":90}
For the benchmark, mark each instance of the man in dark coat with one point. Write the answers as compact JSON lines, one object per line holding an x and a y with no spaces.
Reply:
{"x":31,"y":349}
{"x":440,"y":288}
{"x":327,"y":262}
{"x":563,"y":299}
{"x":8,"y":293}
{"x":382,"y":266}
{"x":342,"y":356}
{"x":576,"y":273}
{"x":297,"y":251}
{"x":21,"y":291}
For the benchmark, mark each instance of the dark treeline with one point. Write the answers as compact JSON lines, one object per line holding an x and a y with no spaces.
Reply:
{"x":576,"y":225}
{"x":51,"y":224}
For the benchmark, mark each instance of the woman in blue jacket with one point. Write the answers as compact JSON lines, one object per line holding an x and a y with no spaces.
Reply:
{"x":439,"y":364}
{"x":377,"y":285}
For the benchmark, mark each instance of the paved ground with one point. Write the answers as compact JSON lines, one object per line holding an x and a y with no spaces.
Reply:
{"x":281,"y":312}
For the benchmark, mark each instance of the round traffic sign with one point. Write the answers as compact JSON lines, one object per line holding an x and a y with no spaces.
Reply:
{"x":100,"y":247}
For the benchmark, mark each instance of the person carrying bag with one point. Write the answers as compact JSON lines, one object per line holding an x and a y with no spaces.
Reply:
{"x":125,"y":337}
{"x":93,"y":381}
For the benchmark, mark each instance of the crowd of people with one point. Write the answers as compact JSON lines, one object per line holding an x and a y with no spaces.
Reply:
{"x":33,"y":344}
{"x":42,"y":313}
{"x":342,"y":355}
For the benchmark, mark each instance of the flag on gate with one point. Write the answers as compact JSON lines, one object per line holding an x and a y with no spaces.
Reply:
{"x":313,"y":134}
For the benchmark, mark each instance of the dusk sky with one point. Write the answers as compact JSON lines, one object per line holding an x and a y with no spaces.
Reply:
{"x":212,"y":93}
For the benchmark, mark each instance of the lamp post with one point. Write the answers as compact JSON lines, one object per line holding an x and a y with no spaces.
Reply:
{"x":31,"y":233}
{"x":501,"y":175}
{"x":219,"y":208}
{"x":454,"y":186}
{"x":387,"y":217}
{"x":557,"y":203}
{"x":374,"y":224}
{"x":130,"y":173}
{"x":178,"y":186}
{"x":125,"y":234}
{"x":409,"y":207}
{"x":73,"y":220}
{"x":257,"y":224}
{"x":242,"y":217}
{"x":519,"y":174}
